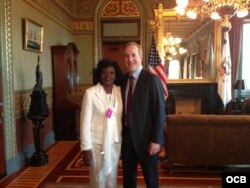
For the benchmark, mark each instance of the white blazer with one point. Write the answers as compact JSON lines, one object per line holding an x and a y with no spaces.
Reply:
{"x":93,"y":118}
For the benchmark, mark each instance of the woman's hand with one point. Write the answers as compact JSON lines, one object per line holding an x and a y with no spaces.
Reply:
{"x":87,"y":157}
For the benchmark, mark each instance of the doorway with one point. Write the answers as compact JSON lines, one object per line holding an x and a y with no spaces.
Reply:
{"x":114,"y":51}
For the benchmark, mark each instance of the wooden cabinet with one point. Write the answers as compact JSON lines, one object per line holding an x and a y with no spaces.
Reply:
{"x":65,"y":78}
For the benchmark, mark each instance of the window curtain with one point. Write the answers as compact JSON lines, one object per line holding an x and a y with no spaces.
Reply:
{"x":235,"y":36}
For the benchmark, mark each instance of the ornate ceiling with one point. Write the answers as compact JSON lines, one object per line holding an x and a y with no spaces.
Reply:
{"x":84,"y":9}
{"x":77,"y":15}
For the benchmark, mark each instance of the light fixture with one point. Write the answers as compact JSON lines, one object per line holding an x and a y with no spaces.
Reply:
{"x":240,"y":85}
{"x":171,"y":45}
{"x":192,"y":13}
{"x":181,"y":5}
{"x":182,"y":50}
{"x":216,"y":9}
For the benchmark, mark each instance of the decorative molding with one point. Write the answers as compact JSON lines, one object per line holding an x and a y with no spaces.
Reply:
{"x":152,"y":24}
{"x":85,"y":8}
{"x":83,"y":26}
{"x":78,"y":9}
{"x":142,"y":7}
{"x":7,"y":76}
{"x":67,"y":5}
{"x":22,"y":101}
{"x":118,"y":8}
{"x":72,"y":14}
{"x":49,"y":8}
{"x":61,"y":12}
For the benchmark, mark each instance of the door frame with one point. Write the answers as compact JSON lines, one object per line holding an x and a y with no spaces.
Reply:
{"x":98,"y":40}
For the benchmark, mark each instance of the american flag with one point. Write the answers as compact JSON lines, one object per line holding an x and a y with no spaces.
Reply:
{"x":156,"y":67}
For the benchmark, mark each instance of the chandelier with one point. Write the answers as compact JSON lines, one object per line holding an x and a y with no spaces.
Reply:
{"x":171,"y":46}
{"x":216,"y":9}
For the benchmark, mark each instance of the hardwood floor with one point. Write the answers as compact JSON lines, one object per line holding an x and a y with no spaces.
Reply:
{"x":65,"y":169}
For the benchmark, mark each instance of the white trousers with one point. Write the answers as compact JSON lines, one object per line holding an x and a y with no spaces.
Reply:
{"x":98,"y":179}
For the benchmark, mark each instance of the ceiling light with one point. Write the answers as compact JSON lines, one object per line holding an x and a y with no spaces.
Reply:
{"x":182,"y":3}
{"x":192,"y":13}
{"x":171,"y":46}
{"x":180,"y":10}
{"x":182,"y":50}
{"x":215,"y":15}
{"x":216,"y":9}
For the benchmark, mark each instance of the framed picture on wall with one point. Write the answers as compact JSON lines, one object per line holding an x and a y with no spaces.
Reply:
{"x":33,"y":36}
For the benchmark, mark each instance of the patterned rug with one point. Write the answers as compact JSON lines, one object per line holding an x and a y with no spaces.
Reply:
{"x":72,"y":173}
{"x":86,"y":186}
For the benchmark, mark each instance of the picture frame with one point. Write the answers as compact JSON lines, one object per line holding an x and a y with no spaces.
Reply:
{"x":33,"y":36}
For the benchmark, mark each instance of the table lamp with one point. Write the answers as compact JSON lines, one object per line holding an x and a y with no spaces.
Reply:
{"x":240,"y":85}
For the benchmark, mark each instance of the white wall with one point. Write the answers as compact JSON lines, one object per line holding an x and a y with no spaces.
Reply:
{"x":85,"y":58}
{"x":24,"y":62}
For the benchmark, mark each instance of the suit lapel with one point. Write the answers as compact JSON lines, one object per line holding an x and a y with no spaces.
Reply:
{"x":139,"y":83}
{"x":100,"y":93}
{"x":124,"y":86}
{"x":137,"y":88}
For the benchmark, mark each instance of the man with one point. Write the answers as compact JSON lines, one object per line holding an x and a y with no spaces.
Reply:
{"x":143,"y":120}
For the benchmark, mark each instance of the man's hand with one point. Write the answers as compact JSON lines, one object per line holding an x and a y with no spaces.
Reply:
{"x":87,"y":157}
{"x":154,"y":148}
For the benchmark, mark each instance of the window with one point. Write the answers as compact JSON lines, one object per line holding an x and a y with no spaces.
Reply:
{"x":246,"y":55}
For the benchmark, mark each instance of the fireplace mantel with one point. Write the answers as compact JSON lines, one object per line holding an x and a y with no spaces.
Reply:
{"x":206,"y":92}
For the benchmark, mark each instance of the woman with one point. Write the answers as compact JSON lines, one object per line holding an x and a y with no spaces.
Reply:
{"x":101,"y":124}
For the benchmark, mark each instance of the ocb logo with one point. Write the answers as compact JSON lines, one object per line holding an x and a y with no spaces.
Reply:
{"x":236,"y":179}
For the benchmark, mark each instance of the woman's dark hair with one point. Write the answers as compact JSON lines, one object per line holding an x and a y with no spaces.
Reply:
{"x":102,"y":64}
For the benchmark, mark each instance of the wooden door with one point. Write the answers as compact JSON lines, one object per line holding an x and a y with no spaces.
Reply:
{"x":114,"y":51}
{"x":2,"y":155}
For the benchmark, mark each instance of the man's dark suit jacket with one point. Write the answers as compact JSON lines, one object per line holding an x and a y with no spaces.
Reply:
{"x":147,"y":115}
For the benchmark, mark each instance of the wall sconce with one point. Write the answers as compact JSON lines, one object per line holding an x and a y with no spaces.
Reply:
{"x":240,"y":85}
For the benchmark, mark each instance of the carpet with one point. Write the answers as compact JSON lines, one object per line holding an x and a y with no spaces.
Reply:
{"x":65,"y":169}
{"x":72,"y":173}
{"x":120,"y":186}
